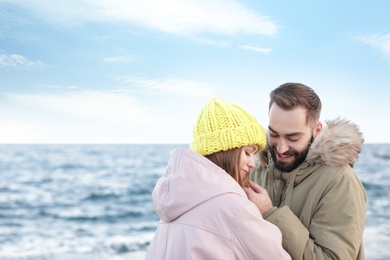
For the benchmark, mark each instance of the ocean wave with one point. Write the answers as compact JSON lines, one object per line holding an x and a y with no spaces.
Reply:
{"x":92,"y":202}
{"x":385,"y":156}
{"x":118,"y":247}
{"x":101,"y":197}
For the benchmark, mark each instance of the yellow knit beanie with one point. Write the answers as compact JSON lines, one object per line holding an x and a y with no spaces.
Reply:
{"x":222,"y":126}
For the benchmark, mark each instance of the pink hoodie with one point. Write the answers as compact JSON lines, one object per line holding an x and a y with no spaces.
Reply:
{"x":205,"y":214}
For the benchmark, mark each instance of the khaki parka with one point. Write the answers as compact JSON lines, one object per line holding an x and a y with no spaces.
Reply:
{"x":320,"y":207}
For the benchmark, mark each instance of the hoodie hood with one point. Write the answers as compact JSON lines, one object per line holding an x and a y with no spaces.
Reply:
{"x":339,"y":143}
{"x":190,"y":180}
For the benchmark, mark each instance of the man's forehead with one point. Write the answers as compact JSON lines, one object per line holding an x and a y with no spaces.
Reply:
{"x":280,"y":119}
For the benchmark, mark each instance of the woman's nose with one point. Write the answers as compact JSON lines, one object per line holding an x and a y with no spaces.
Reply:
{"x":251,"y":163}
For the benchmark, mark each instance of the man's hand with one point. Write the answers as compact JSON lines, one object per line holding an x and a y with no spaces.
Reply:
{"x":259,"y":196}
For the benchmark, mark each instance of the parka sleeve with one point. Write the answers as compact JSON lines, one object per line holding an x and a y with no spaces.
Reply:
{"x":295,"y":234}
{"x":336,"y":226}
{"x":257,"y":238}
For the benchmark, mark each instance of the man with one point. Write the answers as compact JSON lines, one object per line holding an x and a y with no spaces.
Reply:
{"x":307,"y":185}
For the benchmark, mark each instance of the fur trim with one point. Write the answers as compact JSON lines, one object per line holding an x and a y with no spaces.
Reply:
{"x":339,"y":143}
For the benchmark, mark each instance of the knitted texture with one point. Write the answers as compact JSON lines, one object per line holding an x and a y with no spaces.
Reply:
{"x":222,"y":126}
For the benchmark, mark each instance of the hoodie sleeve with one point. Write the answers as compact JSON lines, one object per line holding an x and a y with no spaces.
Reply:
{"x":257,"y":238}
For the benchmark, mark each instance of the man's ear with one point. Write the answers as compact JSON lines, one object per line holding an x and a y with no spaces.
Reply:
{"x":317,"y":129}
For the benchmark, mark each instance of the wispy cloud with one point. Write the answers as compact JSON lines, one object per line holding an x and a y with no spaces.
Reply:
{"x":16,"y":61}
{"x":64,"y":87}
{"x":118,"y":59}
{"x":89,"y":117}
{"x":256,"y":49}
{"x":63,"y":13}
{"x":380,"y":41}
{"x":190,"y":17}
{"x":171,"y":86}
{"x":217,"y":43}
{"x":95,"y":106}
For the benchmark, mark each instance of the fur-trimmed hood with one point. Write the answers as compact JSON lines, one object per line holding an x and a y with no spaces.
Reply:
{"x":339,"y":143}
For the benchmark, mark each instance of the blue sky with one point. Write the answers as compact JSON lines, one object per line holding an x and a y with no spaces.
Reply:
{"x":94,"y":71}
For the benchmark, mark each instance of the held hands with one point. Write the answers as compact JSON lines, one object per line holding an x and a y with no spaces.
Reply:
{"x":259,"y":196}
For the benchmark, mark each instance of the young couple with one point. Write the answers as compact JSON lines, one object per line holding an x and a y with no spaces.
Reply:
{"x":305,"y":201}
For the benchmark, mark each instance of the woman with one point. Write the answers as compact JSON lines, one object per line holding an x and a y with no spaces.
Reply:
{"x":204,"y":211}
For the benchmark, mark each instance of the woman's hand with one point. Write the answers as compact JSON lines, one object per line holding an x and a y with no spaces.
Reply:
{"x":259,"y":196}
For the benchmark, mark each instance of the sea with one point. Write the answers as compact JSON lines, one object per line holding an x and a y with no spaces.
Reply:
{"x":94,"y":201}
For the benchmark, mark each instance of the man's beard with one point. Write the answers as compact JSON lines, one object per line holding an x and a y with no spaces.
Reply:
{"x":299,"y":158}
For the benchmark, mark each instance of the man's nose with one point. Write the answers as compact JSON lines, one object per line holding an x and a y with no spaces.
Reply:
{"x":282,"y":146}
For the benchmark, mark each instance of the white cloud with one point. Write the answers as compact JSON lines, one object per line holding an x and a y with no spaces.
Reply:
{"x":92,"y":117}
{"x":221,"y":44}
{"x":63,"y":87}
{"x":378,"y":40}
{"x":190,"y":17}
{"x":119,"y":59}
{"x":172,"y":86}
{"x":94,"y":106}
{"x":17,"y":61}
{"x":256,"y":49}
{"x":14,"y":131}
{"x":63,"y":13}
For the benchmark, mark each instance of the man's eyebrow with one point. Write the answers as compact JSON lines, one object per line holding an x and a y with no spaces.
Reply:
{"x":291,"y":134}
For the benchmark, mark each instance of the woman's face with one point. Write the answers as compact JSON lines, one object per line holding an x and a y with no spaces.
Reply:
{"x":247,"y":162}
